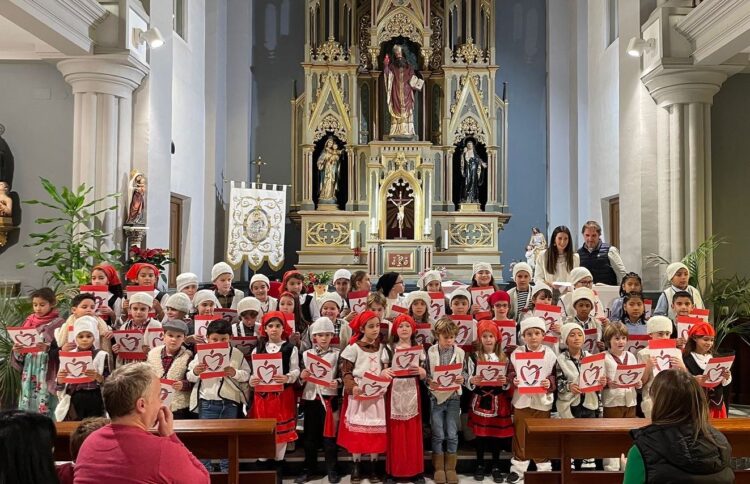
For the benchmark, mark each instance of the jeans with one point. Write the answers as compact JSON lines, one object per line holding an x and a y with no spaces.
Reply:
{"x":216,"y":409}
{"x":444,"y":424}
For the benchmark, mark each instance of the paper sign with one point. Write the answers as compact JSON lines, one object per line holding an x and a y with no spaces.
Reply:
{"x":591,"y":337}
{"x":321,"y":371}
{"x":437,"y":305}
{"x":636,"y":342}
{"x":101,"y":295}
{"x":131,"y":344}
{"x":446,"y":375}
{"x":684,"y":323}
{"x":166,"y":392}
{"x":715,"y":370}
{"x":552,"y":342}
{"x":406,"y":360}
{"x":76,"y":363}
{"x":244,"y":343}
{"x":549,"y":313}
{"x":201,"y":324}
{"x":71,"y":334}
{"x":132,"y":290}
{"x":628,"y":376}
{"x":606,"y":297}
{"x":661,"y":351}
{"x":373,"y":386}
{"x":592,"y":369}
{"x":648,"y":305}
{"x":397,"y":310}
{"x":227,"y":314}
{"x":424,"y":334}
{"x":466,"y":329}
{"x":358,"y":301}
{"x":507,"y":330}
{"x":490,"y":372}
{"x":481,"y":295}
{"x":215,"y":356}
{"x":529,"y":367}
{"x":290,"y":322}
{"x":265,"y":367}
{"x":26,"y":337}
{"x":154,"y":337}
{"x":700,"y":313}
{"x":482,"y":316}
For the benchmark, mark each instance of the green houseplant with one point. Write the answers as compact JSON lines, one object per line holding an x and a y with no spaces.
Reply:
{"x":13,"y":311}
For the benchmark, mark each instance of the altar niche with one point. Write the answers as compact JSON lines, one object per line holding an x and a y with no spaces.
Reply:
{"x":400,"y":205}
{"x":326,"y":149}
{"x":461,"y":192}
{"x":412,"y":55}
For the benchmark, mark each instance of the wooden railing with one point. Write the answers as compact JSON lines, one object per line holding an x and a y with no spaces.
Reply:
{"x":211,"y":439}
{"x":566,"y":439}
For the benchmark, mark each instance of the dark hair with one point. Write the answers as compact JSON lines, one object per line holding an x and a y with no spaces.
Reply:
{"x":690,"y":346}
{"x":592,"y":224}
{"x":629,"y":275}
{"x":683,"y":294}
{"x":627,"y":297}
{"x":386,"y":283}
{"x":44,"y":293}
{"x":26,"y":442}
{"x":492,"y":281}
{"x":79,"y":298}
{"x":87,"y":427}
{"x":300,"y":323}
{"x":460,"y":296}
{"x":550,"y":262}
{"x":218,"y":326}
{"x":357,"y":277}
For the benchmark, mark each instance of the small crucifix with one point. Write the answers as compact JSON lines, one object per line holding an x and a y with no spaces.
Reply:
{"x":258,"y":163}
{"x":401,"y":202}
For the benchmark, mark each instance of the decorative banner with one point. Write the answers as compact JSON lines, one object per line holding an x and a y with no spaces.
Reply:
{"x":101,"y":295}
{"x":256,"y":225}
{"x":529,"y":366}
{"x":628,"y":376}
{"x":437,"y":305}
{"x":648,"y":305}
{"x":201,"y":324}
{"x":592,"y":369}
{"x":490,"y":372}
{"x":700,"y":313}
{"x":265,"y":367}
{"x":589,"y":343}
{"x":244,"y":343}
{"x":549,"y":313}
{"x":406,"y":360}
{"x":715,"y":369}
{"x":321,"y":371}
{"x":466,"y":329}
{"x":154,"y":337}
{"x":26,"y":337}
{"x":358,"y":301}
{"x":424,"y":334}
{"x":636,"y":342}
{"x":446,"y":375}
{"x":227,"y":314}
{"x":684,"y":323}
{"x":661,"y":351}
{"x":76,"y":363}
{"x":373,"y":386}
{"x":216,"y":357}
{"x":480,"y":296}
{"x":166,"y":392}
{"x":507,"y":330}
{"x":131,"y":344}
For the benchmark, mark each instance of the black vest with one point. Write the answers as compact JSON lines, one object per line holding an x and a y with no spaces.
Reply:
{"x":717,"y":395}
{"x":597,"y":263}
{"x":286,"y":353}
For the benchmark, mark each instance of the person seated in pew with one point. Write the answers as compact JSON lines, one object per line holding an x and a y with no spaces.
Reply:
{"x":26,"y":444}
{"x":66,"y":471}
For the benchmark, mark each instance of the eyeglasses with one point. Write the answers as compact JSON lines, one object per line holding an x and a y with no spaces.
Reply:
{"x":399,"y":282}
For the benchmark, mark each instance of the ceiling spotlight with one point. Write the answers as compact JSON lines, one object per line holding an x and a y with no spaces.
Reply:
{"x":637,"y":46}
{"x":152,"y":37}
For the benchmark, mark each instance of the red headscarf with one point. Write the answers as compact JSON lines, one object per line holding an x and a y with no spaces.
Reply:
{"x":498,"y":296}
{"x":281,"y":317}
{"x":403,"y":318}
{"x":489,"y":327}
{"x":112,"y":278}
{"x":701,"y":329}
{"x":287,"y":276}
{"x":132,"y":274}
{"x":358,"y":323}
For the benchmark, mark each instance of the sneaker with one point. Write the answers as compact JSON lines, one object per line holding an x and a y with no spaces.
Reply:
{"x":497,"y":476}
{"x":588,"y":464}
{"x":333,"y":477}
{"x":514,"y":478}
{"x":479,"y":473}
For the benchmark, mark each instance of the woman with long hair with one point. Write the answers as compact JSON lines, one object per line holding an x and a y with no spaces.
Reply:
{"x":556,"y":261}
{"x":26,"y":441}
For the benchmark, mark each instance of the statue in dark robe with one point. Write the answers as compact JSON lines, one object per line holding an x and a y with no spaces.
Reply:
{"x":472,"y":171}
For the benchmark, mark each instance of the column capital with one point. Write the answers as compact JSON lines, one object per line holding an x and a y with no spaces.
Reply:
{"x":115,"y":74}
{"x":672,"y":83}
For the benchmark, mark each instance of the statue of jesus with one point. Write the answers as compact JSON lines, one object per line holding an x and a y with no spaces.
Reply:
{"x":400,"y":84}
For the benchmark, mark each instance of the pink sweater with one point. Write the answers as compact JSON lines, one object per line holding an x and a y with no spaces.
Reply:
{"x":120,"y":454}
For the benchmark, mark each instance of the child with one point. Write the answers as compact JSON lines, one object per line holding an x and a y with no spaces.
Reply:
{"x":360,"y":281}
{"x":520,"y":296}
{"x":537,"y":405}
{"x":65,"y":472}
{"x":631,"y":282}
{"x":391,"y":285}
{"x":82,"y":305}
{"x":580,"y":277}
{"x":482,"y":277}
{"x":249,"y":310}
{"x":178,"y":306}
{"x":658,"y":327}
{"x":221,"y":277}
{"x":377,"y":303}
{"x":320,"y":404}
{"x":330,"y":307}
{"x":170,"y":361}
{"x":281,"y":406}
{"x":106,"y":275}
{"x":362,"y":428}
{"x":698,"y":351}
{"x":582,"y":304}
{"x":678,"y":276}
{"x":187,"y":283}
{"x":342,"y":283}
{"x":405,"y":454}
{"x":143,"y":274}
{"x":140,"y":307}
{"x":500,"y":303}
{"x":633,"y":313}
{"x":431,"y":281}
{"x":289,"y":304}
{"x":682,"y":305}
{"x":293,"y":282}
{"x":571,"y":403}
{"x":39,"y":370}
{"x":540,"y":294}
{"x":445,"y":406}
{"x":490,"y":415}
{"x":418,"y":304}
{"x":204,"y":303}
{"x":259,"y":287}
{"x":460,"y":302}
{"x":84,"y":400}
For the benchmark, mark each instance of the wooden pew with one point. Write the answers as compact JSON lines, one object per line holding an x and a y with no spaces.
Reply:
{"x":566,"y":439}
{"x":211,"y":439}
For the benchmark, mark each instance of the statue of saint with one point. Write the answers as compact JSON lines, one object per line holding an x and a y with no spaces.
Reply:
{"x":400,"y":84}
{"x":137,"y":205}
{"x":6,"y":203}
{"x":471,"y":170}
{"x":328,"y":170}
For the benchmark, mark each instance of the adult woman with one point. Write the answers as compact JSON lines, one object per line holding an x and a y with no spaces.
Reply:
{"x":680,"y":445}
{"x":555,"y":262}
{"x":26,"y":441}
{"x":391,"y":285}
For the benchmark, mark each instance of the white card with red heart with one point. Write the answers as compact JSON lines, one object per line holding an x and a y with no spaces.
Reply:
{"x":26,"y":337}
{"x":131,"y":344}
{"x":446,"y":377}
{"x":265,"y":367}
{"x":661,"y":350}
{"x":606,"y":296}
{"x":154,"y":337}
{"x":466,"y":329}
{"x":591,"y":370}
{"x":715,"y":369}
{"x":549,"y":313}
{"x":437,"y":305}
{"x":628,"y":376}
{"x":406,"y":360}
{"x":373,"y":386}
{"x":321,"y":371}
{"x":424,"y":334}
{"x":358,"y":301}
{"x":215,"y":356}
{"x":684,"y":323}
{"x":481,"y":297}
{"x":227,"y":314}
{"x":201,"y":324}
{"x":648,"y":305}
{"x":530,"y":372}
{"x":507,"y":330}
{"x":591,"y":336}
{"x":397,"y":310}
{"x":76,"y":363}
{"x":490,"y":372}
{"x":636,"y":342}
{"x":291,"y":324}
{"x":166,"y":391}
{"x":244,"y":343}
{"x":101,"y":295}
{"x":701,"y":313}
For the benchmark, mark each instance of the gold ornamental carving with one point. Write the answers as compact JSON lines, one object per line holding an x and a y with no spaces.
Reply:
{"x":328,"y":234}
{"x":469,"y":53}
{"x":469,"y":127}
{"x":400,"y":25}
{"x":330,"y":51}
{"x":471,"y":234}
{"x":436,"y":42}
{"x":364,"y":42}
{"x":330,"y":124}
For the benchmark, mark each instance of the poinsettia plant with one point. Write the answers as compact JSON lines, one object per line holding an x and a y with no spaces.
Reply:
{"x":322,"y":278}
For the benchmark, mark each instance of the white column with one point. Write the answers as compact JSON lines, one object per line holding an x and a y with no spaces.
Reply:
{"x":664,"y":197}
{"x":676,"y":186}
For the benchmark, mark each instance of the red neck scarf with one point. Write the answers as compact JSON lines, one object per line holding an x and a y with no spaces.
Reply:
{"x":34,"y":321}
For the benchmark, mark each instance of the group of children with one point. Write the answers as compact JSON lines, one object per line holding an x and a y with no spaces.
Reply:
{"x":369,"y":374}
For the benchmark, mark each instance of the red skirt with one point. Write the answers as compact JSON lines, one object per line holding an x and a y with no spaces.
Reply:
{"x":494,"y":420}
{"x":720,"y":412}
{"x":356,"y":442}
{"x":405,"y":454}
{"x":279,"y":405}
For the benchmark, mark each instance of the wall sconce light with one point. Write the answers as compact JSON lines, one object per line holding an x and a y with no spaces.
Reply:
{"x":637,"y":46}
{"x":152,"y":37}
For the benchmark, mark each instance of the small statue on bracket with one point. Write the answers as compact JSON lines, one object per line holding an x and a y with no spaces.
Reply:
{"x":328,"y":168}
{"x":6,"y":203}
{"x":472,"y":167}
{"x":137,"y":201}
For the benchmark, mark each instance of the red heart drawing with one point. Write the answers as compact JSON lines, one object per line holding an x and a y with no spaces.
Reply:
{"x":446,"y":380}
{"x":201,"y":331}
{"x":481,"y":300}
{"x":360,"y":306}
{"x":684,"y":334}
{"x":663,"y":362}
{"x":318,"y":370}
{"x":157,"y":340}
{"x":405,"y":361}
{"x":436,"y":310}
{"x":590,"y":344}
{"x":463,"y":335}
{"x":530,"y":373}
{"x":628,"y":378}
{"x":213,"y":361}
{"x":635,"y":348}
{"x":715,"y":374}
{"x":420,"y":338}
{"x":129,"y":343}
{"x":76,"y":368}
{"x":591,"y":375}
{"x":505,"y":339}
{"x":370,"y":389}
{"x":26,"y":339}
{"x":548,"y":320}
{"x":489,"y":374}
{"x":163,"y":394}
{"x":267,"y":372}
